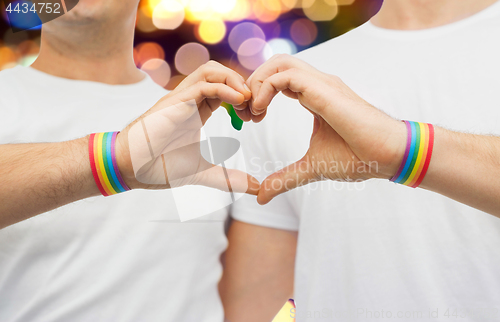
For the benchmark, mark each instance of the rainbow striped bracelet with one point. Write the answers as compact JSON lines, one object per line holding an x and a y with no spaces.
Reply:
{"x":418,"y":153}
{"x":103,"y":163}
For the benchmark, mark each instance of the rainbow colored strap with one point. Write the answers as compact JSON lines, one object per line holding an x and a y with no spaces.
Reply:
{"x":103,"y":163}
{"x":418,"y":153}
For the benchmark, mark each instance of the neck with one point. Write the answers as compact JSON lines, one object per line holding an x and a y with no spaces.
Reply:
{"x":90,"y":56}
{"x":423,"y":14}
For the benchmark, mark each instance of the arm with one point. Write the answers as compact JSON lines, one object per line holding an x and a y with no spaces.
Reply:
{"x":35,"y":178}
{"x":466,"y":168}
{"x":258,"y":277}
{"x":348,"y":130}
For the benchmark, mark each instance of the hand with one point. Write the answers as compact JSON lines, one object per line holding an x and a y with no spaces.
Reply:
{"x":351,"y":139}
{"x":161,"y":149}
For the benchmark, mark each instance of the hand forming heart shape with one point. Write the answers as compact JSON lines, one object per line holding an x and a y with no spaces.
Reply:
{"x":347,"y":130}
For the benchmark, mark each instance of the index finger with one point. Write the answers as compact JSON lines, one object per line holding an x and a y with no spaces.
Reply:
{"x":214,"y":72}
{"x":276,"y":64}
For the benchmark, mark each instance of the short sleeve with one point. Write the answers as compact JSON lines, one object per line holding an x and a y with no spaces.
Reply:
{"x":276,"y":214}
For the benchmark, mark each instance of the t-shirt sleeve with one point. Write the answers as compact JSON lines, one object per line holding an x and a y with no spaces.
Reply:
{"x":276,"y":214}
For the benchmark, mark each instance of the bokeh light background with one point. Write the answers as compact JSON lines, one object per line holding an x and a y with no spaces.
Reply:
{"x":174,"y":37}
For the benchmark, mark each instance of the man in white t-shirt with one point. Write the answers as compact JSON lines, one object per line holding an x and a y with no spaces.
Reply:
{"x":123,"y":258}
{"x":376,"y":250}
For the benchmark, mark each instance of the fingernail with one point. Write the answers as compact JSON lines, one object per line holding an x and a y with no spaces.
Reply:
{"x":257,"y":112}
{"x":252,"y":109}
{"x":246,"y":87}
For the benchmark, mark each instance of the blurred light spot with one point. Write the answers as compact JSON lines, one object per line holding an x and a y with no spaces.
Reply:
{"x":275,"y":30}
{"x":307,"y":3}
{"x":242,"y":32}
{"x":198,"y":10}
{"x":303,"y":32}
{"x":27,"y":60}
{"x":235,"y":65}
{"x":267,"y":10}
{"x":147,"y":51}
{"x":240,"y":11}
{"x":222,"y":6}
{"x":150,"y":6}
{"x":158,"y":70}
{"x":168,"y":14}
{"x":7,"y":58}
{"x":229,"y":10}
{"x":212,"y":31}
{"x":28,"y":52}
{"x":191,"y":56}
{"x":8,"y":66}
{"x":290,"y":4}
{"x":281,"y":46}
{"x":253,"y":52}
{"x":321,"y":10}
{"x":345,"y":2}
{"x":27,"y":48}
{"x":284,"y":314}
{"x":144,"y":22}
{"x":271,"y":29}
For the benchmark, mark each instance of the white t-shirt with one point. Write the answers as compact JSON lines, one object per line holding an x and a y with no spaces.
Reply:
{"x":122,"y":258}
{"x":379,"y":250}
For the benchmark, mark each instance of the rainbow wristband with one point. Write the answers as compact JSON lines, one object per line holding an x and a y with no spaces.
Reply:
{"x":103,"y":164}
{"x":418,"y":153}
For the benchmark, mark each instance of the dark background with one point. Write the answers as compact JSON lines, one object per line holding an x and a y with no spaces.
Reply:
{"x":22,"y":47}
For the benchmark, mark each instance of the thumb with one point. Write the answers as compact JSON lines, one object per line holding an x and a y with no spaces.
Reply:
{"x":229,"y":180}
{"x":295,"y":175}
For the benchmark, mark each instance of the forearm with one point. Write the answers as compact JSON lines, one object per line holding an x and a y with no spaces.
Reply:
{"x":466,"y":167}
{"x":258,"y":275}
{"x":36,"y":178}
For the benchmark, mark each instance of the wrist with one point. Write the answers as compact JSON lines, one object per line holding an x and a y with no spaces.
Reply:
{"x":417,"y":155}
{"x":394,"y":151}
{"x":103,"y":163}
{"x":124,"y":161}
{"x":78,"y":155}
{"x":398,"y":149}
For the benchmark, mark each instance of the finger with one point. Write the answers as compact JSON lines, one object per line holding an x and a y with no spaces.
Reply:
{"x":203,"y":90}
{"x":290,"y":94}
{"x":295,"y":80}
{"x":291,"y":177}
{"x":214,"y":72}
{"x":258,"y":118}
{"x":275,"y":65}
{"x":195,"y":77}
{"x":218,"y":73}
{"x":242,"y":106}
{"x":229,"y":180}
{"x":261,"y":70}
{"x":214,"y":103}
{"x":245,"y":115}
